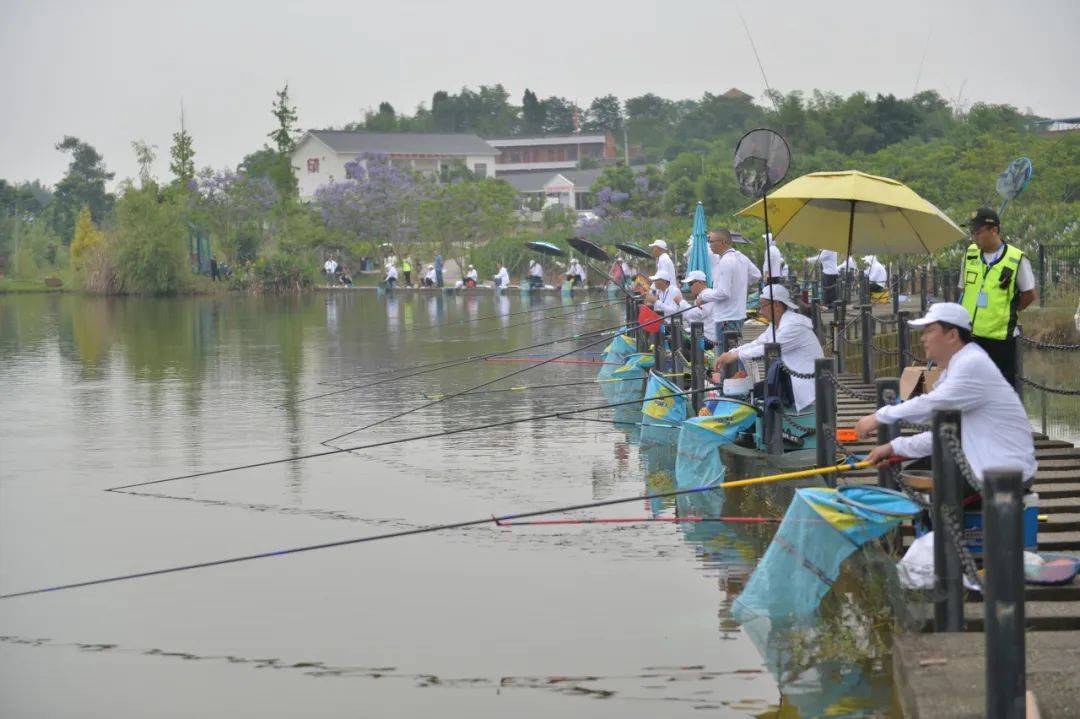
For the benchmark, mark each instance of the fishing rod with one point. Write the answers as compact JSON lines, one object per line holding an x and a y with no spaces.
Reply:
{"x":420,"y":365}
{"x":637,"y":520}
{"x":451,"y":363}
{"x":529,"y":387}
{"x":843,"y":467}
{"x":441,"y":325}
{"x":390,"y":442}
{"x":488,"y":383}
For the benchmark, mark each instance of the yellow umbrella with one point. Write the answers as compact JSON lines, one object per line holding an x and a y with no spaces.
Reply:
{"x":852,"y":212}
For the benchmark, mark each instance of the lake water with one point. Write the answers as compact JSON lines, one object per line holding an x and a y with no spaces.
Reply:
{"x":578,"y":621}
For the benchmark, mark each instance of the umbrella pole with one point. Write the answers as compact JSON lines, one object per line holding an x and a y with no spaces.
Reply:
{"x":768,"y":254}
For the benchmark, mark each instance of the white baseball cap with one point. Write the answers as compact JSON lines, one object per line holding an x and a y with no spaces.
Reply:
{"x":662,"y":276}
{"x":695,"y":276}
{"x":778,"y":293}
{"x":949,"y":312}
{"x":659,"y":243}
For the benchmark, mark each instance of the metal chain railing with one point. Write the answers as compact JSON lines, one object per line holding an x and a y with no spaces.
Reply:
{"x":953,"y":529}
{"x":1047,"y":345}
{"x":1051,"y":390}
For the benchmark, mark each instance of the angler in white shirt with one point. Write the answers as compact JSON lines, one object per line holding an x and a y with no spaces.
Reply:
{"x":472,"y":277}
{"x":664,"y":263}
{"x":799,"y":346}
{"x":575,"y":272}
{"x":773,"y":268}
{"x":536,"y":274}
{"x":727,"y":296}
{"x":830,"y":273}
{"x":994,"y":427}
{"x":665,"y":297}
{"x":391,"y":276}
{"x":502,"y":278}
{"x":875,"y":273}
{"x":429,"y":277}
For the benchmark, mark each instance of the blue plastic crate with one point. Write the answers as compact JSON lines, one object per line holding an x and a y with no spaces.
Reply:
{"x":973,"y":530}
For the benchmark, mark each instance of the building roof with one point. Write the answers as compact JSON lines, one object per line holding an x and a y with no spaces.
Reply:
{"x":526,"y":139}
{"x":737,"y":94}
{"x":392,"y":143}
{"x":582,"y":180}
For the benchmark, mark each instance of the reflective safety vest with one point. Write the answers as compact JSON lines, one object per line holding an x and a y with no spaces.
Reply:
{"x":996,"y":318}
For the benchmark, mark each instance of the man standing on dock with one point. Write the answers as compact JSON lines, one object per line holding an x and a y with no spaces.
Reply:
{"x":997,"y":283}
{"x":664,"y":263}
{"x":727,"y":296}
{"x":830,"y":274}
{"x":994,"y":427}
{"x":438,"y":270}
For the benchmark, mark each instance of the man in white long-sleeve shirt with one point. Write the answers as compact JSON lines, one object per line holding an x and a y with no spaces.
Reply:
{"x":830,"y":273}
{"x":727,"y":296}
{"x":994,"y":428}
{"x":876,"y":274}
{"x":665,"y":297}
{"x":799,"y":346}
{"x":773,"y":269}
{"x":664,"y":263}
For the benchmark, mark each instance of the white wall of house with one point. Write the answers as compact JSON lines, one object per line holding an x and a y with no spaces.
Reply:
{"x":331,"y":166}
{"x":487,"y":163}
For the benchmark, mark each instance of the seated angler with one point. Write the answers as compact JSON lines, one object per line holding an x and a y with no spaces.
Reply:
{"x":665,"y":298}
{"x":994,"y":426}
{"x":799,"y":346}
{"x":429,"y":277}
{"x":471,"y":277}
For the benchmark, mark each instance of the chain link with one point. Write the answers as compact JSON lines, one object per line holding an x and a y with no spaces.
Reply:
{"x":1051,"y":390}
{"x":954,"y":530}
{"x":788,"y":371}
{"x":952,"y":445}
{"x":1047,"y":345}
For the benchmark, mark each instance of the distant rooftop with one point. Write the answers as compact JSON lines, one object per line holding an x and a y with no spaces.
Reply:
{"x":394,"y":143}
{"x":737,"y":94}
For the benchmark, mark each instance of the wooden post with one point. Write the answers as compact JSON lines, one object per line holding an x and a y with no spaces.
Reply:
{"x":922,"y":290}
{"x":825,"y":414}
{"x":773,"y":418}
{"x":1003,"y":593}
{"x":948,"y":488}
{"x":886,"y":390}
{"x":902,"y":340}
{"x":867,"y":321}
{"x":894,"y":285}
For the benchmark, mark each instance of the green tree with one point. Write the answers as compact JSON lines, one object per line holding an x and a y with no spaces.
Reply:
{"x":182,"y":155}
{"x":464,"y":215}
{"x":145,"y":156}
{"x":533,"y":114}
{"x":605,"y":115}
{"x":385,"y":120}
{"x":82,"y":185}
{"x":149,"y":242}
{"x":275,"y":167}
{"x":87,"y":239}
{"x":284,"y":135}
{"x":558,"y":116}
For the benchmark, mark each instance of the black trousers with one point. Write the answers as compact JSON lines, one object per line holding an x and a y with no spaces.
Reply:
{"x":1003,"y":353}
{"x":829,"y":284}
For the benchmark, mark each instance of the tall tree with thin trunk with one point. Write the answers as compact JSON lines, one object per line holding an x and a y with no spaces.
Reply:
{"x":182,"y":153}
{"x":284,"y":136}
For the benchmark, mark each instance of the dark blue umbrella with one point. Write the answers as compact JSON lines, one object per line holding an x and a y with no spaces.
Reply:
{"x":546,"y":248}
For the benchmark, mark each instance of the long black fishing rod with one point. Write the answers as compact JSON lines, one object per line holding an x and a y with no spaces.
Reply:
{"x":455,"y":363}
{"x":470,"y":320}
{"x":418,"y":365}
{"x":497,"y":520}
{"x":555,"y":385}
{"x":385,"y":443}
{"x":445,"y":398}
{"x":447,"y":364}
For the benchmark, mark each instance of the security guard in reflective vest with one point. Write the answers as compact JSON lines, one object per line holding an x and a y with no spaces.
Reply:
{"x":997,"y":283}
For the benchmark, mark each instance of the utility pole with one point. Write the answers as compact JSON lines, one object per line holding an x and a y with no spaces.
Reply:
{"x":625,"y":146}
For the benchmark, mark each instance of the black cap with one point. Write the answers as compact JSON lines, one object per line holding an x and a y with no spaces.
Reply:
{"x":984,"y":216}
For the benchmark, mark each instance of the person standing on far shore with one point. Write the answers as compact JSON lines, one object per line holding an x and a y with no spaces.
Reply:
{"x":438,"y":270}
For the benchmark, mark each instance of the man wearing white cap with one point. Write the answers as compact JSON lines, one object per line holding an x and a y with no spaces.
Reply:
{"x":472,"y":277}
{"x":773,"y":269}
{"x":665,"y":297}
{"x":830,"y":273}
{"x":664,"y":264}
{"x":994,"y":428}
{"x":502,"y":278}
{"x":799,"y":345}
{"x":576,"y":273}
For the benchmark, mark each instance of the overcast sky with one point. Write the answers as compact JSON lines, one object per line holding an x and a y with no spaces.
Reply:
{"x":112,"y":72}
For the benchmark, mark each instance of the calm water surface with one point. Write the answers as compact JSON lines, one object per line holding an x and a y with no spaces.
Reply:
{"x":582,"y":621}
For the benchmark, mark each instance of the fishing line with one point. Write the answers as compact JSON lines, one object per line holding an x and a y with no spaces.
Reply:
{"x":488,"y":383}
{"x":526,"y":388}
{"x":389,"y":442}
{"x":447,"y":364}
{"x":577,"y":308}
{"x":436,"y":528}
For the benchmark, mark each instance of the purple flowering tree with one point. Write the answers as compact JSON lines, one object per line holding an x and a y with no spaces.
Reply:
{"x":377,"y":205}
{"x":238,"y":210}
